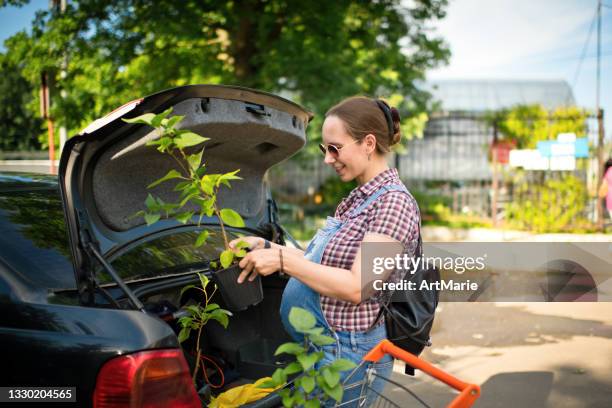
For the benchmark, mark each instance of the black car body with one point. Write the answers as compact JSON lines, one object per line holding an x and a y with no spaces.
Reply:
{"x":65,"y":320}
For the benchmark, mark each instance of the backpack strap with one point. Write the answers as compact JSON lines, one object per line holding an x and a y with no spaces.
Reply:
{"x":374,"y":196}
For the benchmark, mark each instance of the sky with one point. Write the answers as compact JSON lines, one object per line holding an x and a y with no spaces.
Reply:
{"x":530,"y":39}
{"x":494,"y":39}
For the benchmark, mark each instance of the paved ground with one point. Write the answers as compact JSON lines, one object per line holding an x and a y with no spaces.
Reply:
{"x":522,"y":355}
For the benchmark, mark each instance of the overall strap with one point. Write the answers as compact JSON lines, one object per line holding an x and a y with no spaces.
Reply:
{"x":374,"y":196}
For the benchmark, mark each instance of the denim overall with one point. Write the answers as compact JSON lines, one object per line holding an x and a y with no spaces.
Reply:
{"x":349,"y":345}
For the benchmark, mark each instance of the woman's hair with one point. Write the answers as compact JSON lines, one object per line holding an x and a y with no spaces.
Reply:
{"x":607,"y":165}
{"x":362,"y":116}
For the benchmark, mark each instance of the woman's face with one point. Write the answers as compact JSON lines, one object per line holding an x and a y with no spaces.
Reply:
{"x":352,"y":159}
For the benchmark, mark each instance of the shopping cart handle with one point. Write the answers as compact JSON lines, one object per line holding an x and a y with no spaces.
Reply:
{"x":469,"y":393}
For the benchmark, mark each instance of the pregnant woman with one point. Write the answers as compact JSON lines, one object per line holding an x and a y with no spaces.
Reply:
{"x":326,"y":278}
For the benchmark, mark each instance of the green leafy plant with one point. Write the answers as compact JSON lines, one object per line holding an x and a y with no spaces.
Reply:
{"x":199,"y":315}
{"x":197,"y":188}
{"x":553,"y":206}
{"x":311,"y":387}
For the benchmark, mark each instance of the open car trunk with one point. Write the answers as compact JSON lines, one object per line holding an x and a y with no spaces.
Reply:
{"x":103,"y":176}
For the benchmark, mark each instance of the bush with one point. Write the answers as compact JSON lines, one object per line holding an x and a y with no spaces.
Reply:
{"x":553,"y":206}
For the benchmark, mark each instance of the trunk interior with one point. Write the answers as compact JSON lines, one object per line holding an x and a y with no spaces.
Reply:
{"x":240,"y":354}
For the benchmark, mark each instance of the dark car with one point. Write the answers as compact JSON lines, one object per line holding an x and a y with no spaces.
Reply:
{"x":89,"y":295}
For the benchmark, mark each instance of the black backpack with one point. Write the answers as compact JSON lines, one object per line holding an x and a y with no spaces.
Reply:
{"x":409,"y":314}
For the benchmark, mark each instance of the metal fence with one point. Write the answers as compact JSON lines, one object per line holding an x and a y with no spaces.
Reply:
{"x":451,"y":160}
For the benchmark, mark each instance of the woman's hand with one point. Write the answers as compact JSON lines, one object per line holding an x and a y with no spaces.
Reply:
{"x":254,"y":242}
{"x":261,"y":261}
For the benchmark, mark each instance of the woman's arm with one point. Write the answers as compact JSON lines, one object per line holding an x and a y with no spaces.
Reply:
{"x":259,"y":243}
{"x":296,"y":251}
{"x":343,"y":284}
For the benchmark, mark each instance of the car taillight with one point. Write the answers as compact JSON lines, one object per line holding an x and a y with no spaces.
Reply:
{"x":151,"y":379}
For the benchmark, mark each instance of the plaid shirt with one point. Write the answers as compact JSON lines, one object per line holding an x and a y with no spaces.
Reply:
{"x":395,"y":214}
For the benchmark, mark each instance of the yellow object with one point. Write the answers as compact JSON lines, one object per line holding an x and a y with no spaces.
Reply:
{"x":241,"y":395}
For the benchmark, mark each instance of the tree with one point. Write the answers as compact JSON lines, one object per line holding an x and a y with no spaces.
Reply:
{"x":19,"y":126}
{"x":529,"y":124}
{"x":318,"y":52}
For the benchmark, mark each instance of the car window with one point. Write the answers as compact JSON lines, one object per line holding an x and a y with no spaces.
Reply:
{"x":33,"y":238}
{"x":173,"y":253}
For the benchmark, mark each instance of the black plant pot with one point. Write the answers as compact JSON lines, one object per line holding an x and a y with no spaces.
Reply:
{"x":237,"y":296}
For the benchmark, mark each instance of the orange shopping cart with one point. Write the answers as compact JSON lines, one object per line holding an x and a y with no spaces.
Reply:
{"x":468,"y":393}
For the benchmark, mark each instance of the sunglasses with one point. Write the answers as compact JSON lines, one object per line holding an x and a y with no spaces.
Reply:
{"x":333,"y":150}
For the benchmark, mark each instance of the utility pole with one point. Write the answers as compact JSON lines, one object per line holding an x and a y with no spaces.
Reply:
{"x":62,"y":130}
{"x":599,"y":113}
{"x":45,"y":113}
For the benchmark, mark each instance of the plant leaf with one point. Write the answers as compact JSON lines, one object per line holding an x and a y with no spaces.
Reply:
{"x":221,"y":317}
{"x":289,"y":348}
{"x":308,"y":360}
{"x":211,"y":307}
{"x":185,"y":321}
{"x":331,"y":377}
{"x":279,"y":376}
{"x":301,"y":319}
{"x":231,"y":218}
{"x":184,"y":217}
{"x":150,"y":202}
{"x":187,"y":139}
{"x":313,"y":403}
{"x":203,"y":280}
{"x":207,"y":184}
{"x":293,"y":368}
{"x":242,"y":244}
{"x":172,"y":174}
{"x":194,"y":160}
{"x":186,"y":288}
{"x":342,"y":364}
{"x":314,"y":331}
{"x":321,"y":340}
{"x":184,"y":334}
{"x":287,"y":401}
{"x":267,"y":384}
{"x":173,"y":121}
{"x":157,"y":119}
{"x":202,"y":238}
{"x":334,"y":392}
{"x":151,"y":218}
{"x":226,"y":258}
{"x":182,"y":185}
{"x":147,"y":118}
{"x":308,"y":384}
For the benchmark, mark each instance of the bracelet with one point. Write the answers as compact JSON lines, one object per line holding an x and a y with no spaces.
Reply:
{"x":280,"y":254}
{"x":267,"y":244}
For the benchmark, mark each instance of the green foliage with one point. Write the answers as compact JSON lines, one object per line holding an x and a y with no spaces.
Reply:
{"x":312,"y":387}
{"x":433,"y":207}
{"x":19,"y":126}
{"x":117,"y":51}
{"x":552,"y":206}
{"x":529,"y":124}
{"x":200,"y":315}
{"x":196,"y":188}
{"x":334,"y":190}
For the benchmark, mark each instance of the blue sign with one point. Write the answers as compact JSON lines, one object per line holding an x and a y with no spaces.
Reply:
{"x":582,"y":147}
{"x":551,"y":148}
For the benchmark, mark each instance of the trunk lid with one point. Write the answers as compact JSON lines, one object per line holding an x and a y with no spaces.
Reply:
{"x":105,"y":169}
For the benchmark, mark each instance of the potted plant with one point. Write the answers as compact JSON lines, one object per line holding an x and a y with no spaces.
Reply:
{"x":198,"y":190}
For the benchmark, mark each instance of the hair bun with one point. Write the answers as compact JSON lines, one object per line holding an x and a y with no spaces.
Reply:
{"x":396,"y":126}
{"x":395,"y":115}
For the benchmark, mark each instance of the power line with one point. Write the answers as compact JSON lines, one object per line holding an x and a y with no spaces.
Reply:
{"x":584,"y":49}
